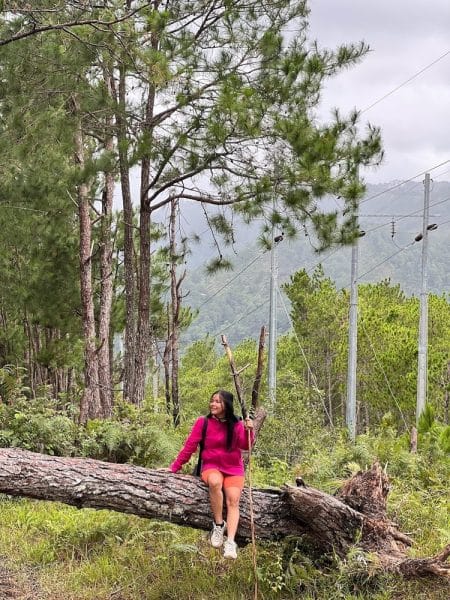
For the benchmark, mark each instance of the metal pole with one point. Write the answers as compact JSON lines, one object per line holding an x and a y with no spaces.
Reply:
{"x":350,"y":415}
{"x":422,"y":365}
{"x":272,"y":359}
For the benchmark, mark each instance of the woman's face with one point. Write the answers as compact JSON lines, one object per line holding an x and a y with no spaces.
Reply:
{"x":216,"y":407}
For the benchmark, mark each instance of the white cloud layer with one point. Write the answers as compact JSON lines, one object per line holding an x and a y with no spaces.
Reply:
{"x":404,"y":36}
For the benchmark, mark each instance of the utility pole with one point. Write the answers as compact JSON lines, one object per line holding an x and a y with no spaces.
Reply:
{"x":350,"y":409}
{"x":422,"y":365}
{"x":272,"y":358}
{"x":350,"y":413}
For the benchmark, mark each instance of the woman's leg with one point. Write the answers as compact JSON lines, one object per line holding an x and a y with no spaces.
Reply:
{"x":232,"y":497}
{"x":214,"y":482}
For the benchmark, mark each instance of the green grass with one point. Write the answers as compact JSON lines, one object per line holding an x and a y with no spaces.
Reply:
{"x":85,"y":554}
{"x":67,"y":554}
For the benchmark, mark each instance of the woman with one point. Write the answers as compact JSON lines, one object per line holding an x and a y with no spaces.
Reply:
{"x":222,"y":464}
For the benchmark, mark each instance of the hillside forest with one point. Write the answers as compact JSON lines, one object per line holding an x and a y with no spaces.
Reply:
{"x":150,"y":153}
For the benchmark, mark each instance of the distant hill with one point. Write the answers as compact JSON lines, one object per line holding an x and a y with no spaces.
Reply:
{"x":237,"y":302}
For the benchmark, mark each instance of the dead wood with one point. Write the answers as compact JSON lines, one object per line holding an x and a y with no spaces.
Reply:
{"x":356,"y":515}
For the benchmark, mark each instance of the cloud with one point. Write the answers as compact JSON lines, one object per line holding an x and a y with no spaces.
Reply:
{"x":404,"y":37}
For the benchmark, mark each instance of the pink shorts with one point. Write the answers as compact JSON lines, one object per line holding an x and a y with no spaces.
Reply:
{"x":228,"y":480}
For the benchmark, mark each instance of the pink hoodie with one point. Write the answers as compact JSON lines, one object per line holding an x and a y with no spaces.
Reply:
{"x":215,"y":454}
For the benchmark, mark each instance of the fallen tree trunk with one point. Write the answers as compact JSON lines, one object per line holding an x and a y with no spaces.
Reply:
{"x":333,"y":523}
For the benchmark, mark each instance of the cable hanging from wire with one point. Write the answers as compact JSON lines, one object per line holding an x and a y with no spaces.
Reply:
{"x":315,"y":385}
{"x":386,"y":259}
{"x":383,"y":371}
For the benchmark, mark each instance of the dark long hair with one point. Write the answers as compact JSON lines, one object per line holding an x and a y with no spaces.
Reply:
{"x":230,"y":418}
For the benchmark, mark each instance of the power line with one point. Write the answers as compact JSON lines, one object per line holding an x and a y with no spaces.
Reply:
{"x":397,"y":185}
{"x":322,"y":261}
{"x":401,"y":217}
{"x":385,"y":260}
{"x":249,"y":312}
{"x":406,"y":81}
{"x":231,"y":280}
{"x":384,"y":373}
{"x":212,"y":284}
{"x":315,"y":385}
{"x":443,"y":173}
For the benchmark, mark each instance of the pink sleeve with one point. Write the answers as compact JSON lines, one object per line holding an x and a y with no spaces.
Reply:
{"x":190,"y":446}
{"x":242,"y":436}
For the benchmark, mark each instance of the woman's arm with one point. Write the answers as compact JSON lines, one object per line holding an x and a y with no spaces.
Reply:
{"x":189,"y":447}
{"x":241,"y":432}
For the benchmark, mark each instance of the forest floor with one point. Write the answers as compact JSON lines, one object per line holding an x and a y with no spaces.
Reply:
{"x":18,"y":585}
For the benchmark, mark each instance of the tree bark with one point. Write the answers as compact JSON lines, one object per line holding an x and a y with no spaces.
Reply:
{"x":174,"y":334}
{"x":128,"y":244}
{"x":331,"y":522}
{"x":166,"y":362}
{"x":106,"y":273}
{"x":259,"y":369}
{"x":143,"y":323}
{"x":90,"y":407}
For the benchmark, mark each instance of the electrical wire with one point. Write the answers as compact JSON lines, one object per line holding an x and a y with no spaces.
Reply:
{"x":249,"y":312}
{"x":231,"y":280}
{"x":397,"y":185}
{"x":442,"y":173}
{"x":385,"y":260}
{"x":401,"y":217}
{"x":324,"y":259}
{"x":315,"y":385}
{"x":383,"y":371}
{"x":406,"y":81}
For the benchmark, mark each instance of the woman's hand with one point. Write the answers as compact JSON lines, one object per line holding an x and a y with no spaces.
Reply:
{"x":248,"y":424}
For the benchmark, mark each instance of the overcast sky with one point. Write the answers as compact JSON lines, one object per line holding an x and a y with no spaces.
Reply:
{"x":405,"y":36}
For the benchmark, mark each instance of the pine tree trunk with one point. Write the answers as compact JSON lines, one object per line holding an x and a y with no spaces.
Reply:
{"x":447,"y":396}
{"x":29,"y":356}
{"x":106,"y":294}
{"x":128,"y":249}
{"x":175,"y":291}
{"x":166,"y":362}
{"x":106,"y":276}
{"x":90,"y":406}
{"x":155,"y":371}
{"x":143,"y":324}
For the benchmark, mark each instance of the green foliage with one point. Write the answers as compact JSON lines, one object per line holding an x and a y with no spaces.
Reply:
{"x":387,"y":347}
{"x":41,"y":425}
{"x":11,"y":383}
{"x":37,"y":425}
{"x":142,"y":440}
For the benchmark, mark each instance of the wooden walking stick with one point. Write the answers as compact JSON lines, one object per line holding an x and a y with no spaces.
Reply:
{"x":255,"y":393}
{"x":236,"y":378}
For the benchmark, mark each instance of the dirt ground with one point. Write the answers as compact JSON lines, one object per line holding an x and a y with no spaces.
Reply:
{"x":12,"y":588}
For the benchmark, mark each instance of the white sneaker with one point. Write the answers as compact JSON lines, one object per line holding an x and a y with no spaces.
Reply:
{"x":230,"y":549}
{"x":217,"y":535}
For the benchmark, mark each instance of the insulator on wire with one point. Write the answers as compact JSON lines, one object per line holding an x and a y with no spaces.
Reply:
{"x":392,"y":229}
